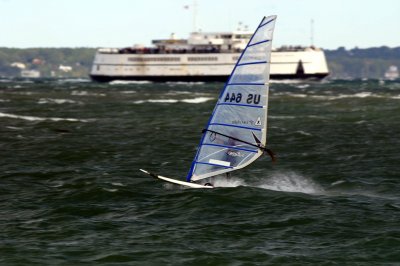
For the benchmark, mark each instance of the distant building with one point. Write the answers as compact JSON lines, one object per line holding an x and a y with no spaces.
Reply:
{"x":37,"y":61}
{"x":392,"y":73}
{"x":30,"y":73}
{"x":65,"y":68}
{"x":18,"y":65}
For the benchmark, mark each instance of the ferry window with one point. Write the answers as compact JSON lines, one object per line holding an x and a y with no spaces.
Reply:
{"x":153,"y":59}
{"x":242,"y":36}
{"x":226,"y":36}
{"x":98,"y":67}
{"x":208,"y":58}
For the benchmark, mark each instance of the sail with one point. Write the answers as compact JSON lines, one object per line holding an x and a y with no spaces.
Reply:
{"x":237,"y":127}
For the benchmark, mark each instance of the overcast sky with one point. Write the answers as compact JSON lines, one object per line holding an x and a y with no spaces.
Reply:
{"x":120,"y":23}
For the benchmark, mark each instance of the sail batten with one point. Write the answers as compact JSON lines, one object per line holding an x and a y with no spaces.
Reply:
{"x":213,"y":164}
{"x":246,"y":84}
{"x":245,"y":105}
{"x":230,"y":147}
{"x":236,"y":126}
{"x":262,"y":25}
{"x":260,"y":42}
{"x":253,"y":63}
{"x":238,"y":123}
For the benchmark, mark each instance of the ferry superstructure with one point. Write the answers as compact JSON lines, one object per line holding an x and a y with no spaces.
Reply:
{"x":204,"y":56}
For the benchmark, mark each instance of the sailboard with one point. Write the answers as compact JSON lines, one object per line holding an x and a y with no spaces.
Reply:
{"x":236,"y":132}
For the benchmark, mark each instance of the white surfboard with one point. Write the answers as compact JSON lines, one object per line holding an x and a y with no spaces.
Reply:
{"x":174,"y":181}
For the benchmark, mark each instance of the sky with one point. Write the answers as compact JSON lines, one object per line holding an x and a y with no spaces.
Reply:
{"x":123,"y":23}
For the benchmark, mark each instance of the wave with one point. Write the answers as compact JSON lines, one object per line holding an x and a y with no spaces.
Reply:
{"x":365,"y":94}
{"x":57,"y":101}
{"x":287,"y":81}
{"x":156,"y":101}
{"x":193,"y":100}
{"x":76,"y":80}
{"x":197,"y":100}
{"x":37,"y":118}
{"x":86,"y":93}
{"x":185,"y":83}
{"x":124,"y":82}
{"x":281,"y":116}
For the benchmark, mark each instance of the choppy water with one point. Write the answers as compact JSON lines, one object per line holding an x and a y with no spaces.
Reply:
{"x":71,"y":192}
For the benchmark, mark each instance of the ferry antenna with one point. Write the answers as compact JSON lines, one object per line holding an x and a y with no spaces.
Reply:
{"x":312,"y":32}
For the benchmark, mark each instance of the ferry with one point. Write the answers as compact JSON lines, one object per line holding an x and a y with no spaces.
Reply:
{"x":204,"y":56}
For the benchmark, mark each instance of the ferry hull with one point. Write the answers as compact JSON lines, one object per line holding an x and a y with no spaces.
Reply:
{"x":206,"y":67}
{"x":220,"y":78}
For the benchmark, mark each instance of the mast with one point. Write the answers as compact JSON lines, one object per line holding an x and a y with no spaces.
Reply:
{"x":194,"y":16}
{"x":312,"y":32}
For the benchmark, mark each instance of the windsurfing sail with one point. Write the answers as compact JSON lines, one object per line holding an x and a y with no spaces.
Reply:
{"x":236,"y":132}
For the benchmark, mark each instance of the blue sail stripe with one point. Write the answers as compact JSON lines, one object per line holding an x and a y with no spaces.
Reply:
{"x":259,"y":43}
{"x":214,"y":164}
{"x":246,"y":84}
{"x":244,"y":105}
{"x":230,"y":125}
{"x":266,"y":23}
{"x":230,"y":147}
{"x":253,"y":63}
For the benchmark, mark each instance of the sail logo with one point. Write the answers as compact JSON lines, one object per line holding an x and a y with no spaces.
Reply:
{"x":258,"y":121}
{"x":234,"y":153}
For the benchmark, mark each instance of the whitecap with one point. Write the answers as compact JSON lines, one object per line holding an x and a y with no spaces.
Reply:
{"x":180,"y":92}
{"x":304,"y":133}
{"x":185,"y":82}
{"x":14,"y":128}
{"x":338,"y":183}
{"x":110,"y":189}
{"x":123,"y":82}
{"x":194,"y":100}
{"x":282,"y":117}
{"x":162,"y":101}
{"x":36,"y":118}
{"x":286,"y":81}
{"x":85,"y":93}
{"x":77,"y":80}
{"x":360,"y":122}
{"x":56,"y":101}
{"x":302,"y":86}
{"x":117,"y":184}
{"x":197,"y":100}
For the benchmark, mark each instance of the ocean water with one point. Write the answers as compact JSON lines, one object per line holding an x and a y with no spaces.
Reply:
{"x":71,"y":192}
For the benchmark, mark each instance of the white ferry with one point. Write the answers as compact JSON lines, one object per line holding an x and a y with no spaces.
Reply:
{"x":204,"y":56}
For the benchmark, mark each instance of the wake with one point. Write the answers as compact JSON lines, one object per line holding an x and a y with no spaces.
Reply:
{"x":280,"y":181}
